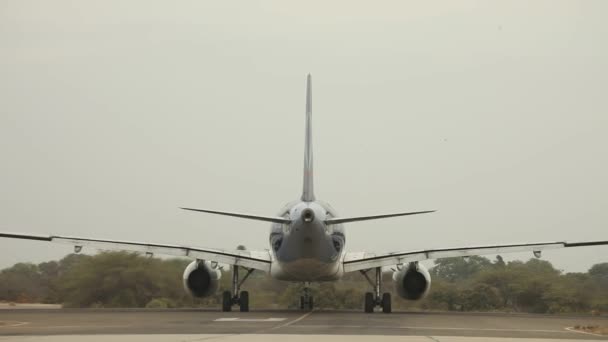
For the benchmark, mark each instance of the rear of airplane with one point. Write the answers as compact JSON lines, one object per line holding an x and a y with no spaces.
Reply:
{"x":308,"y":194}
{"x":307,"y":243}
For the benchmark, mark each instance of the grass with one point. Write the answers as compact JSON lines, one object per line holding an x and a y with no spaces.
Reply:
{"x":594,"y":329}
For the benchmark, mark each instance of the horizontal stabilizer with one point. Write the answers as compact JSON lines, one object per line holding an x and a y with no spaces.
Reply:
{"x":274,"y":219}
{"x":374,"y":217}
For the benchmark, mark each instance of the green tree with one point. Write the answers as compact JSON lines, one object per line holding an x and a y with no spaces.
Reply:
{"x":119,"y":279}
{"x":600,"y":272}
{"x":21,"y":283}
{"x":457,"y":269}
{"x":481,"y":297}
{"x":444,"y":296}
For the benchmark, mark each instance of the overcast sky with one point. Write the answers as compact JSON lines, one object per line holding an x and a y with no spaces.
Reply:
{"x":115,"y":113}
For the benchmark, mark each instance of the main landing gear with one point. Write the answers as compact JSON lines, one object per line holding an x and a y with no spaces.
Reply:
{"x":373,"y":299}
{"x":236,"y":296}
{"x":306,"y":300}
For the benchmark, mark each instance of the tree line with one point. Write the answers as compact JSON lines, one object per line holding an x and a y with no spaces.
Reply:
{"x":121,"y":279}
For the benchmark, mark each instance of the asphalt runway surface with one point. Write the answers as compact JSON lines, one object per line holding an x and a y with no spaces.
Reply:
{"x":195,"y":325}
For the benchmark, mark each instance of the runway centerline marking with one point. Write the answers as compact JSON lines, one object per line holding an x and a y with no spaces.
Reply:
{"x":292,"y":322}
{"x":11,"y":324}
{"x":237,"y":319}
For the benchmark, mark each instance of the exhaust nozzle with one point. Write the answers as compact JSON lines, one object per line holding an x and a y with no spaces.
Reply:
{"x":308,"y":215}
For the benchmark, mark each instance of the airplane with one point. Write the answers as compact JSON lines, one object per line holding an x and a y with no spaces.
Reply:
{"x":307,"y":244}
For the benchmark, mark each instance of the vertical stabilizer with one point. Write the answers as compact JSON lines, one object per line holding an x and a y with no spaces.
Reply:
{"x":308,"y":194}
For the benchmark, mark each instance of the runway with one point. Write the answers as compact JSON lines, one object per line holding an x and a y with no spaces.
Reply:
{"x":191,"y":325}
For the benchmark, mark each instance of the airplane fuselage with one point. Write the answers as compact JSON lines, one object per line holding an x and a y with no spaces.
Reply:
{"x":307,"y":249}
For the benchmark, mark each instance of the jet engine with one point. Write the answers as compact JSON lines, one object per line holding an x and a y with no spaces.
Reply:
{"x":201,"y":279}
{"x":412,"y":281}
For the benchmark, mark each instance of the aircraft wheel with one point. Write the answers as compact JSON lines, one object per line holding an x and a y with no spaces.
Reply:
{"x":244,"y":301}
{"x":226,"y":301}
{"x":386,"y":302}
{"x":369,"y":302}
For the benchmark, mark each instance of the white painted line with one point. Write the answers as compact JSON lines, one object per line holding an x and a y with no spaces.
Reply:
{"x":69,"y":326}
{"x":483,"y":329}
{"x":292,"y":322}
{"x":12,"y":324}
{"x":571,"y":329}
{"x":264,"y":338}
{"x":237,"y":319}
{"x":434,"y":328}
{"x":82,"y":326}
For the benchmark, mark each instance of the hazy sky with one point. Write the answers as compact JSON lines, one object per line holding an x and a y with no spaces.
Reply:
{"x":115,"y":113}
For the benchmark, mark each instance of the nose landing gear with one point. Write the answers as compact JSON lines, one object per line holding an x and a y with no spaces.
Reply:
{"x":306,"y":300}
{"x":374,"y":299}
{"x":236,"y":296}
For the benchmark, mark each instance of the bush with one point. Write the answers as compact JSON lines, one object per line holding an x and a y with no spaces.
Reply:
{"x":160,"y":303}
{"x":119,"y":279}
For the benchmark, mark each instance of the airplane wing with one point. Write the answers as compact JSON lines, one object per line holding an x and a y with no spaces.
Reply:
{"x":361,"y":260}
{"x":250,"y":259}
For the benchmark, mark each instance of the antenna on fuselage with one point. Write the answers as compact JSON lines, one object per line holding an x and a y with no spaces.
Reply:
{"x":308,"y":194}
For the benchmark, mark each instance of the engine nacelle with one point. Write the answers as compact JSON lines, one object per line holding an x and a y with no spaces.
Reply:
{"x":412,"y":281}
{"x":201,"y":279}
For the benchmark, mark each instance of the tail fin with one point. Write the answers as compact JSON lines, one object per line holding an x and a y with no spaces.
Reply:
{"x":308,"y":194}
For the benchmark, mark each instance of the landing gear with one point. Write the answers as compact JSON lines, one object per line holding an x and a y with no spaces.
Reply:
{"x":226,"y":301}
{"x":386,"y":302}
{"x":306,"y":300}
{"x":244,"y":301}
{"x":236,"y":297}
{"x":369,"y":302}
{"x":373,"y":299}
